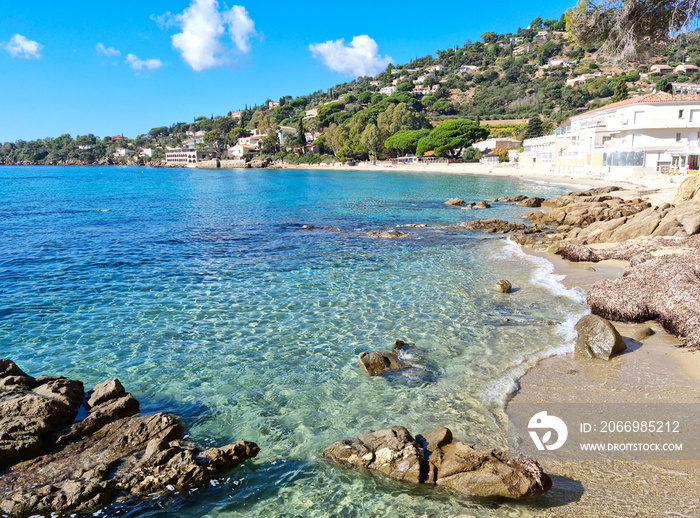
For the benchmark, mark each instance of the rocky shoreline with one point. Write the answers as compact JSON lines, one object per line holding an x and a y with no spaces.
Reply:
{"x":52,"y":461}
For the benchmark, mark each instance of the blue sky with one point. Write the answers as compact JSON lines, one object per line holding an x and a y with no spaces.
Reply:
{"x":126,"y":67}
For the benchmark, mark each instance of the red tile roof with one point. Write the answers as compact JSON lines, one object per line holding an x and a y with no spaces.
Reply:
{"x":656,"y":97}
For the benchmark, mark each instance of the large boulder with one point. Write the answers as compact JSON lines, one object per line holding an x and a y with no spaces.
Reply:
{"x":457,"y":202}
{"x":598,"y":338}
{"x":531,"y":202}
{"x":469,"y":469}
{"x":688,"y":190}
{"x":55,"y":465}
{"x":32,"y":411}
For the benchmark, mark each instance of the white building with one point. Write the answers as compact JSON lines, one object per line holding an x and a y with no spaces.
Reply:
{"x":685,"y":88}
{"x":497,"y":142}
{"x":182,"y":157}
{"x":121,"y":152}
{"x":240,"y":150}
{"x":285,"y":132}
{"x":652,"y":133}
{"x":435,"y":68}
{"x":387,"y":90}
{"x":422,"y":78}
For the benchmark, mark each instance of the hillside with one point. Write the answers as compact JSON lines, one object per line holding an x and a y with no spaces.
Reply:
{"x":505,"y":78}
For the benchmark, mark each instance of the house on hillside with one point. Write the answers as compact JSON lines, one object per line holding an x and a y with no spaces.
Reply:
{"x":434,"y":68}
{"x":120,"y":138}
{"x":660,"y":69}
{"x":687,"y":69}
{"x":387,"y":90}
{"x":273,"y":104}
{"x":686,"y":88}
{"x":236,"y":115}
{"x":286,"y":132}
{"x":467,"y":68}
{"x":557,"y":62}
{"x":376,"y":83}
{"x":653,"y":133}
{"x":423,"y":78}
{"x":310,"y":114}
{"x":525,"y":48}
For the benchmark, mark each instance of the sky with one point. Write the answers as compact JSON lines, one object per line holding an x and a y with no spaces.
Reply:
{"x":123,"y":68}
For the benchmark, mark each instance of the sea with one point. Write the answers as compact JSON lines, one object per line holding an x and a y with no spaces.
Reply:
{"x":202,"y":291}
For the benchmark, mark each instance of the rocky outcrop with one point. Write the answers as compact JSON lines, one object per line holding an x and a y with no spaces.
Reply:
{"x":688,"y":190}
{"x":598,"y":338}
{"x":55,"y":465}
{"x":531,"y":202}
{"x":469,"y":469}
{"x":493,"y":225}
{"x":503,"y":286}
{"x":457,"y":202}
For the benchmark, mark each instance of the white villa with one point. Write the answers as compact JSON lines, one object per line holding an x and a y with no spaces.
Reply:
{"x":387,"y":90}
{"x":493,"y":143}
{"x":653,"y":133}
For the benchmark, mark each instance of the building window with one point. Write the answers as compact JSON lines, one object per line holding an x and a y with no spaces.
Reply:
{"x":678,"y":137}
{"x":680,"y":114}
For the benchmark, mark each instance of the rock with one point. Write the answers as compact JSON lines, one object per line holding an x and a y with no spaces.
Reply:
{"x":579,"y":253}
{"x":531,"y":202}
{"x":598,"y":338}
{"x":503,"y":286}
{"x":109,"y":457}
{"x":493,"y":225}
{"x":483,"y":205}
{"x":641,"y":333}
{"x":458,"y":202}
{"x":105,"y":391}
{"x":307,"y":227}
{"x":380,"y":362}
{"x":469,"y":469}
{"x":681,"y":221}
{"x":32,"y":412}
{"x":688,"y":190}
{"x":386,"y":234}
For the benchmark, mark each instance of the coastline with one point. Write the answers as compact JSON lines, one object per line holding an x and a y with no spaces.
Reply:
{"x":652,"y":370}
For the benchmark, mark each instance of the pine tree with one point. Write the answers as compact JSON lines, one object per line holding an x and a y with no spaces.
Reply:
{"x":301,"y":135}
{"x":534,"y":128}
{"x":621,"y":92}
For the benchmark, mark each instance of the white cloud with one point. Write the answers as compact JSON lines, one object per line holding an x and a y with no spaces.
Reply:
{"x":19,"y":46}
{"x":240,"y":26}
{"x":143,"y":64}
{"x":360,"y":58}
{"x":107,"y":51}
{"x":203,"y":25}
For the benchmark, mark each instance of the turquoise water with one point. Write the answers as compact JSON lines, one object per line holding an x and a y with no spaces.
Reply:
{"x":201,"y":292}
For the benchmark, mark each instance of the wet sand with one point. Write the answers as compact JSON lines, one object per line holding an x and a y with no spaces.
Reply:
{"x":652,"y":370}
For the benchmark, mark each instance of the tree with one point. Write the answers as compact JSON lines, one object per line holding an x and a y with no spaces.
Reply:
{"x":406,"y":140}
{"x":489,"y":37}
{"x":534,"y":128}
{"x":537,"y":23}
{"x":451,"y":137}
{"x":621,"y":92}
{"x":301,"y":134}
{"x":371,"y":139}
{"x":622,"y":27}
{"x":664,"y":85}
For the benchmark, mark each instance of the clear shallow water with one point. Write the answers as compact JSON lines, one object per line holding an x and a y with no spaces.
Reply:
{"x":201,"y":292}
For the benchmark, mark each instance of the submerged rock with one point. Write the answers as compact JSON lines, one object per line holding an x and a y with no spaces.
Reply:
{"x":53,"y":466}
{"x":386,"y":234}
{"x":598,"y":338}
{"x":469,"y":469}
